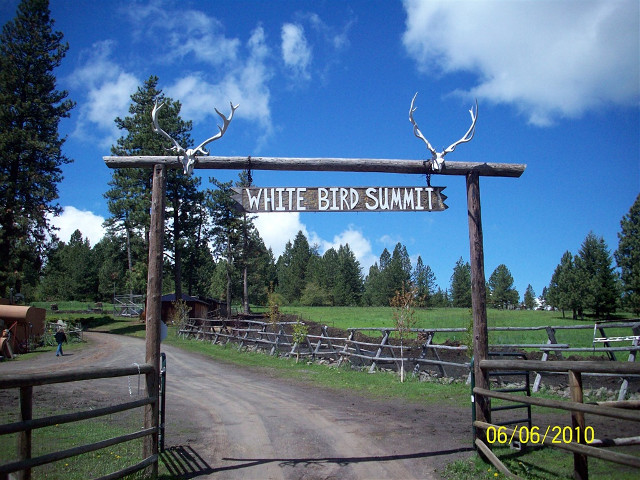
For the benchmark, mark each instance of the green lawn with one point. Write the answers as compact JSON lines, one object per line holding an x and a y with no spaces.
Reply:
{"x":536,"y":464}
{"x":377,"y":317}
{"x":64,"y":436}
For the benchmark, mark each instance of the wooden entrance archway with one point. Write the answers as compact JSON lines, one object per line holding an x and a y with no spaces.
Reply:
{"x":471,"y":171}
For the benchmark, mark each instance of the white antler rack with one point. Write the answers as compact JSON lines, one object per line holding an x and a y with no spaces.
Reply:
{"x":437,"y":158}
{"x":189,"y":155}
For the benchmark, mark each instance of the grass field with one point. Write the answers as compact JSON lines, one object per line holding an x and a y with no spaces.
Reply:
{"x":377,"y":317}
{"x":63,"y":436}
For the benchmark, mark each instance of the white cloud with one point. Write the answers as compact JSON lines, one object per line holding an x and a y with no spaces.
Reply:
{"x":192,"y":42}
{"x":109,"y":89}
{"x":359,"y":245}
{"x":296,"y":52}
{"x":72,"y":219}
{"x":245,"y":84}
{"x":200,"y":39}
{"x":390,"y":241}
{"x":338,"y":39}
{"x":549,"y":59}
{"x":182,"y":34}
{"x":276,"y":229}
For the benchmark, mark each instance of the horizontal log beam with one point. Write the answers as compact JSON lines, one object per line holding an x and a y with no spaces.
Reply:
{"x":72,"y":452}
{"x":73,"y":417}
{"x":18,"y":380}
{"x":620,"y":368}
{"x":427,"y":361}
{"x":379,"y":165}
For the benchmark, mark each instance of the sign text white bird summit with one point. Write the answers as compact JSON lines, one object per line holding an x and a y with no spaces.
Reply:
{"x":341,"y":199}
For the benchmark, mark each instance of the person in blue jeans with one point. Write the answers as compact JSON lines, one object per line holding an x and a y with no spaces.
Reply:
{"x":60,"y":337}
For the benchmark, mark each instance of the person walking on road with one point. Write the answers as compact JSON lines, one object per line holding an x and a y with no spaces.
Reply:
{"x":60,"y":337}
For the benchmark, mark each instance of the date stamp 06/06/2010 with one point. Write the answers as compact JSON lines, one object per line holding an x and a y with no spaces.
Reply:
{"x":536,"y":435}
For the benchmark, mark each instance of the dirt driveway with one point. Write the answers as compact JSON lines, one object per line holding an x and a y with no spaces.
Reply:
{"x":228,"y":422}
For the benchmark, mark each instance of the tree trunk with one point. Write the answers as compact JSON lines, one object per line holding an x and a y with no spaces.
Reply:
{"x":129,"y":261}
{"x":245,"y":282}
{"x":177,"y":251}
{"x":228,"y":276}
{"x":245,"y":290}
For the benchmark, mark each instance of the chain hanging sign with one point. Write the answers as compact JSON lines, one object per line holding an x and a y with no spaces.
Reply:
{"x":341,"y":199}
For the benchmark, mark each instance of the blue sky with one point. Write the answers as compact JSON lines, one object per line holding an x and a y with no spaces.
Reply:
{"x":557,"y":83}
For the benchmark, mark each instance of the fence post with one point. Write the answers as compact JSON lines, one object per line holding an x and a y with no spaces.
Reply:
{"x":580,"y":465}
{"x":24,"y":438}
{"x":478,"y":299}
{"x":154,"y":312}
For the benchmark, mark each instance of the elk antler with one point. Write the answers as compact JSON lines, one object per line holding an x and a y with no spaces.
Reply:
{"x":467,"y":136}
{"x":189,"y":156}
{"x":225,"y":123}
{"x":416,"y":130}
{"x":437,"y":158}
{"x":157,"y":129}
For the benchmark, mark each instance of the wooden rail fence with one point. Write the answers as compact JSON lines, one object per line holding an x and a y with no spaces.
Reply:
{"x":24,"y":427}
{"x":365,"y":352}
{"x":624,"y":411}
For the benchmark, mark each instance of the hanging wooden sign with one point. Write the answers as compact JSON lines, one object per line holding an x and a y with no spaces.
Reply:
{"x":341,"y":199}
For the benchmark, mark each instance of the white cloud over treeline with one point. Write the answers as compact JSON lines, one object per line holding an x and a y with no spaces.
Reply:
{"x":276,"y":229}
{"x":72,"y":219}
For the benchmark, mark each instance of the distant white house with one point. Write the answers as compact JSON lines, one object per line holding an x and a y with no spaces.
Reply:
{"x":540,"y":304}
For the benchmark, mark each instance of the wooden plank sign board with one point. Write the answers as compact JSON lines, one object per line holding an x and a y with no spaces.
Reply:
{"x":341,"y":199}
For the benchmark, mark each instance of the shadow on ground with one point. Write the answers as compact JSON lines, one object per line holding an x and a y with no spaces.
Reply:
{"x":183,"y":462}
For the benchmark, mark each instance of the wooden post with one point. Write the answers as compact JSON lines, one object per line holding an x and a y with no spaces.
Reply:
{"x":478,"y":300}
{"x":580,"y":465}
{"x":24,"y":438}
{"x":154,"y":310}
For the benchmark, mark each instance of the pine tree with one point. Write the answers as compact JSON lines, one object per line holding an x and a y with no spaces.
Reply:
{"x":71,"y":271}
{"x":502,"y":294}
{"x":596,"y":276}
{"x":563,"y":290}
{"x":349,"y":286}
{"x":371,"y":290}
{"x":225,"y":232}
{"x":261,"y":269}
{"x":461,"y":284}
{"x":325,"y":275}
{"x":440,"y":299}
{"x":30,"y":147}
{"x":424,"y":281}
{"x":292,"y":267}
{"x":396,"y":274}
{"x":129,"y":197}
{"x":111,"y":258}
{"x":385,"y":280}
{"x":628,"y":256}
{"x":529,"y":298}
